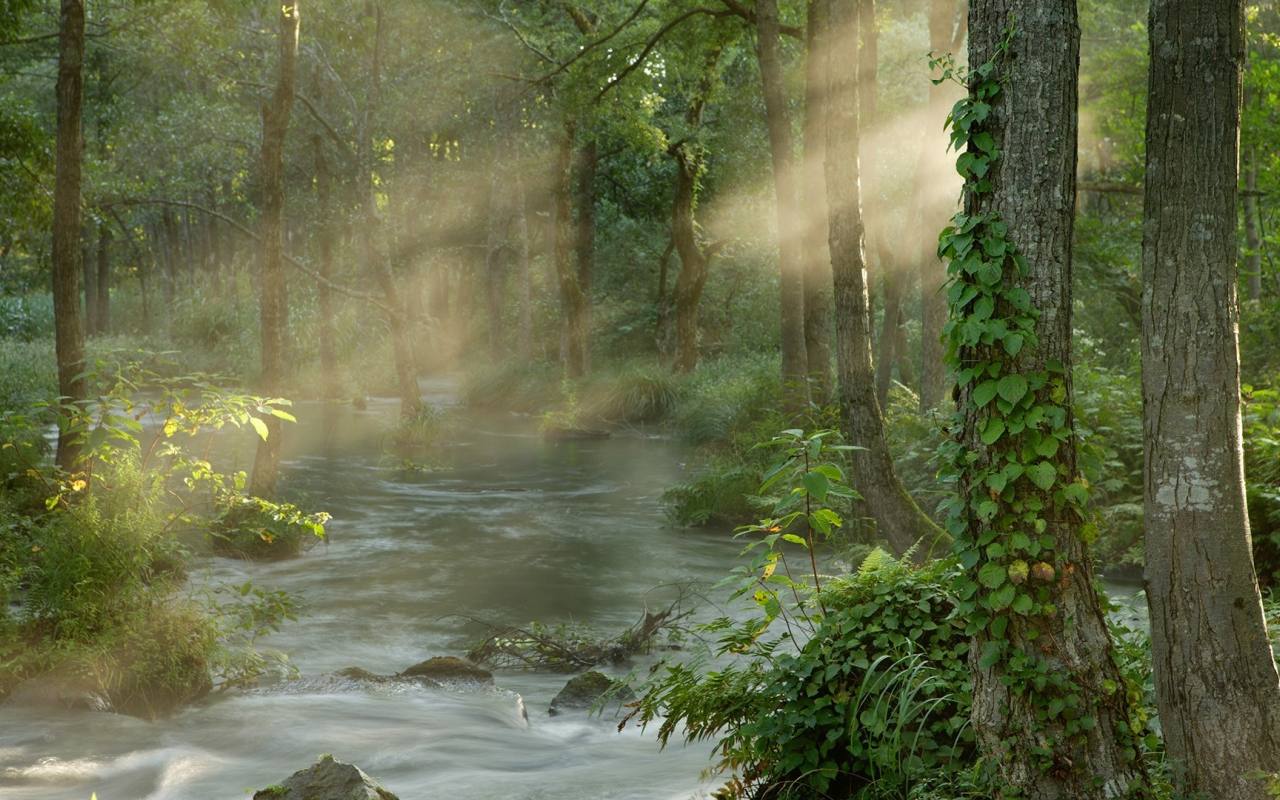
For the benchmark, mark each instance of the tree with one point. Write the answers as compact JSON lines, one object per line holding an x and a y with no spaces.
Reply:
{"x":1216,"y":683}
{"x":898,"y":519}
{"x":1048,"y":704}
{"x":816,"y":251}
{"x":275,"y":124}
{"x":68,"y":322}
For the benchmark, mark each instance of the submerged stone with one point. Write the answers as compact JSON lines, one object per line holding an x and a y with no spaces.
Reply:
{"x":583,"y":691}
{"x":328,"y":779}
{"x":448,"y":668}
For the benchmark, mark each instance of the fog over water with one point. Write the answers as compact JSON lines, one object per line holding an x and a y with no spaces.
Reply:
{"x":510,"y":529}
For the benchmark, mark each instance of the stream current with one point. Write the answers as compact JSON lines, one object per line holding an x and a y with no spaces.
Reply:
{"x":510,"y":529}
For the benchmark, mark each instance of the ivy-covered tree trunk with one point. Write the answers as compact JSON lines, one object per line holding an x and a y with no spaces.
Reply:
{"x":1216,"y":683}
{"x":275,"y":124}
{"x":795,"y":360}
{"x":1049,"y":705}
{"x":899,"y":520}
{"x":693,"y":260}
{"x":68,"y":321}
{"x":816,"y":250}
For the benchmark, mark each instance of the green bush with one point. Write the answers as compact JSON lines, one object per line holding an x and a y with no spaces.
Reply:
{"x":26,"y":317}
{"x":27,"y":373}
{"x":631,"y":392}
{"x":528,"y":388}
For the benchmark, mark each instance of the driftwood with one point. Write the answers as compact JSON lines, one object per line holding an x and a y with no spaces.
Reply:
{"x":572,"y":647}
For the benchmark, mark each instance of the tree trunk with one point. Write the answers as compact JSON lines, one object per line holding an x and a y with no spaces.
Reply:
{"x":103,"y":298}
{"x":68,"y":322}
{"x":324,"y":298}
{"x":1039,"y":750}
{"x":817,"y":252}
{"x":524,"y":334}
{"x":795,"y":360}
{"x":898,"y":520}
{"x":275,"y":124}
{"x":693,"y":261}
{"x":90,"y":274}
{"x":585,"y":239}
{"x":501,"y":214}
{"x":572,"y":300}
{"x":934,"y":211}
{"x":893,"y":281}
{"x":1216,"y":683}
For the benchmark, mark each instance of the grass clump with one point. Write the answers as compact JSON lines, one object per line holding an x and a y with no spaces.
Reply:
{"x":528,"y":388}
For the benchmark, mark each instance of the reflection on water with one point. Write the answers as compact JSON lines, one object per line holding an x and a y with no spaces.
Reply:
{"x":509,"y":529}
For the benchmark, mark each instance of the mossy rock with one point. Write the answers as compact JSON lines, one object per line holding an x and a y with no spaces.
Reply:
{"x":328,"y":779}
{"x":585,"y":690}
{"x":448,"y":668}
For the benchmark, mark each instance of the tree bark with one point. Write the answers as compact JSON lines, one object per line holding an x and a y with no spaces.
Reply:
{"x":693,"y":260}
{"x":889,"y":327}
{"x":934,"y":211}
{"x":1033,"y":125}
{"x":324,"y":298}
{"x":898,"y":520}
{"x":795,"y":360}
{"x":275,"y":124}
{"x":817,"y":251}
{"x":572,"y":301}
{"x":68,"y":322}
{"x":1216,"y":683}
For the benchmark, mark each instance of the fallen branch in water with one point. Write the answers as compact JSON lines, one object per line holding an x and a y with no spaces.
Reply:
{"x":571,"y":646}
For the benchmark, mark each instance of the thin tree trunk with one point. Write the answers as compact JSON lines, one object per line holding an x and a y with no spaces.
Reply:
{"x":68,"y":322}
{"x":795,"y":360}
{"x":585,"y":239}
{"x":898,"y":520}
{"x":1216,"y":683}
{"x":572,"y":301}
{"x":817,"y":251}
{"x":893,"y":281}
{"x":934,"y":392}
{"x":693,"y":261}
{"x":902,"y":355}
{"x":90,"y":274}
{"x":501,"y":214}
{"x":103,"y":298}
{"x":324,"y":298}
{"x":1036,"y":752}
{"x":524,"y":334}
{"x":275,"y":124}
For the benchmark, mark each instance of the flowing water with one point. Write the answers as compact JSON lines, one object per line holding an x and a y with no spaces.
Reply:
{"x":512,"y":529}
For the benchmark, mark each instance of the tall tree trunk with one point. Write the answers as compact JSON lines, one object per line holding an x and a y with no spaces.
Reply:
{"x":377,"y":238}
{"x":572,"y":301}
{"x":817,"y":252}
{"x":933,"y":215}
{"x":90,"y":274}
{"x":103,"y":298}
{"x":1039,"y":750}
{"x":501,"y":214}
{"x":1216,"y":683}
{"x":1252,"y":241}
{"x":898,"y":520}
{"x":795,"y":360}
{"x":693,"y":261}
{"x":275,"y":124}
{"x":68,"y":322}
{"x":893,"y":281}
{"x":585,"y":239}
{"x":524,"y":333}
{"x":324,"y":299}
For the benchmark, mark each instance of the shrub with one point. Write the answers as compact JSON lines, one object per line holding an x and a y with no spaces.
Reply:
{"x":524,"y":388}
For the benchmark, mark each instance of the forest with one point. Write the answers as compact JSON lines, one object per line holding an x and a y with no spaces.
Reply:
{"x":910,"y":368}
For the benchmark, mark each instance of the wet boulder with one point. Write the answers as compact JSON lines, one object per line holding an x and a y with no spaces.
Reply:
{"x":327,"y":779}
{"x":585,"y":690}
{"x":447,"y":670}
{"x":60,"y":690}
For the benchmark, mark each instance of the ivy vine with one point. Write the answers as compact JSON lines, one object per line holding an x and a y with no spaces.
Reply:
{"x":1013,"y":566}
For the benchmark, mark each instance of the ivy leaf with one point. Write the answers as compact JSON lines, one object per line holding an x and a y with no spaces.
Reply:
{"x":1012,"y":387}
{"x":993,"y":430}
{"x":992,"y":575}
{"x":1048,"y":447}
{"x":1042,"y":474}
{"x":984,"y":393}
{"x":990,"y":654}
{"x":984,"y":142}
{"x":1022,"y":604}
{"x":1004,"y":596}
{"x":1013,"y":343}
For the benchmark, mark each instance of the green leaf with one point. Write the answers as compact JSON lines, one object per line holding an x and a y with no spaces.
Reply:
{"x":991,"y":575}
{"x":1013,"y":344}
{"x":1042,"y":474}
{"x":1012,"y":387}
{"x":1022,"y":604}
{"x":259,"y":426}
{"x":992,"y":431}
{"x":1048,"y":447}
{"x":990,"y":654}
{"x":984,"y":392}
{"x":817,"y":485}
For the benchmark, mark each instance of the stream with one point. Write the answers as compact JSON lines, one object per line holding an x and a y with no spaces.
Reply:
{"x":509,"y":529}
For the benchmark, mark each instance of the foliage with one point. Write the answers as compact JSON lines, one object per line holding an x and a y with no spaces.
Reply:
{"x":1262,"y":475}
{"x":427,"y":428}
